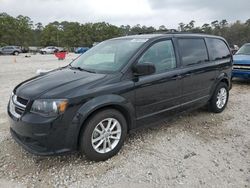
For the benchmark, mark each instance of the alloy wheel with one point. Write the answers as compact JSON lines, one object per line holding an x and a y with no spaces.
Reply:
{"x":106,"y":135}
{"x":221,"y":98}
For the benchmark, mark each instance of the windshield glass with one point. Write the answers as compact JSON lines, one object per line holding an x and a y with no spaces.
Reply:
{"x":244,"y":50}
{"x":108,"y":56}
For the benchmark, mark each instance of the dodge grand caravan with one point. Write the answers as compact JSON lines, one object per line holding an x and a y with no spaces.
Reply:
{"x":119,"y":85}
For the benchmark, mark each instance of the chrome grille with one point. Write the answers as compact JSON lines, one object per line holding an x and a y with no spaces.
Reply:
{"x":241,"y":67}
{"x":22,"y":101}
{"x":17,"y":106}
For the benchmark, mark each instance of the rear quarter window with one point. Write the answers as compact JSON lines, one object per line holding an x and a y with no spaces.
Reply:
{"x":217,"y":49}
{"x":192,"y":51}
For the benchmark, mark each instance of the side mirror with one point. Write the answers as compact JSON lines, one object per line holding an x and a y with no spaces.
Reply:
{"x":143,"y":69}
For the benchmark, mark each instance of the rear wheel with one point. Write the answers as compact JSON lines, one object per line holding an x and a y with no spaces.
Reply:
{"x":103,"y":135}
{"x":219,"y":99}
{"x":16,"y":53}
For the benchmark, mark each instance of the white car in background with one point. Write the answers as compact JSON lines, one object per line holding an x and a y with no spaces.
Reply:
{"x":49,"y":50}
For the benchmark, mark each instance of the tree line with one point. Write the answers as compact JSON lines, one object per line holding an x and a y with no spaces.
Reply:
{"x":22,"y":31}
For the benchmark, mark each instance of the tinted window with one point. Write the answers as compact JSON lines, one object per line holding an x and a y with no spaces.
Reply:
{"x":217,"y":49}
{"x":161,"y":54}
{"x":192,"y":51}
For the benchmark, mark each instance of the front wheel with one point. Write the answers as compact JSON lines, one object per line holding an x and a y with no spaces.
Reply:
{"x":219,"y":99}
{"x":103,"y":135}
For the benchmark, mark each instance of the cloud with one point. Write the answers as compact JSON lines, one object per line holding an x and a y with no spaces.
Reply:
{"x":220,"y":8}
{"x":122,"y":12}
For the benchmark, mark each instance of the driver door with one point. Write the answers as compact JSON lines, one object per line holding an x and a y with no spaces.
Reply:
{"x":160,"y":92}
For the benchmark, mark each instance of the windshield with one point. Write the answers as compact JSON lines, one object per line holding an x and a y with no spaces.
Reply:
{"x":108,"y":56}
{"x":245,"y":50}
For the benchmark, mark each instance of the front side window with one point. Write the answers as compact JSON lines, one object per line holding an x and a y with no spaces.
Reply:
{"x":161,"y":54}
{"x":108,"y":56}
{"x":192,"y":51}
{"x":217,"y":49}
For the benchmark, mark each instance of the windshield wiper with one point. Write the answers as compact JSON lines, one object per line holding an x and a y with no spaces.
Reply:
{"x":81,"y":69}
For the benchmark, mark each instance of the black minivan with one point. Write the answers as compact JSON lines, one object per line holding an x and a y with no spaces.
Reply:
{"x":119,"y":85}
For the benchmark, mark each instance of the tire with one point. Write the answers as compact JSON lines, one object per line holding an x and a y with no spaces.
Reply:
{"x":94,"y":131}
{"x":16,"y":53}
{"x":221,"y":93}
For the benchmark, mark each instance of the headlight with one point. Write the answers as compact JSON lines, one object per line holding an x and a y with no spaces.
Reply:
{"x":49,"y":107}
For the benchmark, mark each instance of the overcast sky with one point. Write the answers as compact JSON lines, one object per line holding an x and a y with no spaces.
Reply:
{"x":123,"y":12}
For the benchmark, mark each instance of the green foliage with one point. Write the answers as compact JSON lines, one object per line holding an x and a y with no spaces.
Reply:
{"x":15,"y":31}
{"x":50,"y":35}
{"x":235,"y":33}
{"x":21,"y":31}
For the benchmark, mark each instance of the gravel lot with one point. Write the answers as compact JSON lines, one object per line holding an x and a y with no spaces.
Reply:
{"x":197,"y":149}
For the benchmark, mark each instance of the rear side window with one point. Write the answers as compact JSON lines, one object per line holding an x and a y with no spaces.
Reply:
{"x":217,"y":49}
{"x":192,"y":51}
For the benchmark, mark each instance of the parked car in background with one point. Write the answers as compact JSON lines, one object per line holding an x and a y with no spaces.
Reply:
{"x":10,"y":50}
{"x":81,"y":50}
{"x":25,"y":49}
{"x":117,"y":86}
{"x":241,"y":67}
{"x":49,"y":50}
{"x":34,"y":49}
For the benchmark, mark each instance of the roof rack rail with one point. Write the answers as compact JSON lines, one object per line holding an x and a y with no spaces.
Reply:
{"x":167,"y":31}
{"x":171,"y":31}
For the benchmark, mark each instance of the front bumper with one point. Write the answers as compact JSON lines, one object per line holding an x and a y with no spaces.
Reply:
{"x":44,"y":136}
{"x":241,"y":73}
{"x":34,"y":146}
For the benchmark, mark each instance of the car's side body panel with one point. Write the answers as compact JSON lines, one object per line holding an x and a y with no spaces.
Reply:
{"x":161,"y":95}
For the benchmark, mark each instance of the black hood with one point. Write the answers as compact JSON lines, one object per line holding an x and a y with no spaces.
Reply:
{"x":56,"y":83}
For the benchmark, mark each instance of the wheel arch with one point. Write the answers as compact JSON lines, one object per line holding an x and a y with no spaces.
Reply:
{"x":223,"y":77}
{"x":97,"y":104}
{"x":15,"y":52}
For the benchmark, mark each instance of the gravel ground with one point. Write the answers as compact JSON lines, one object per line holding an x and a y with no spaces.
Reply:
{"x":197,"y":149}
